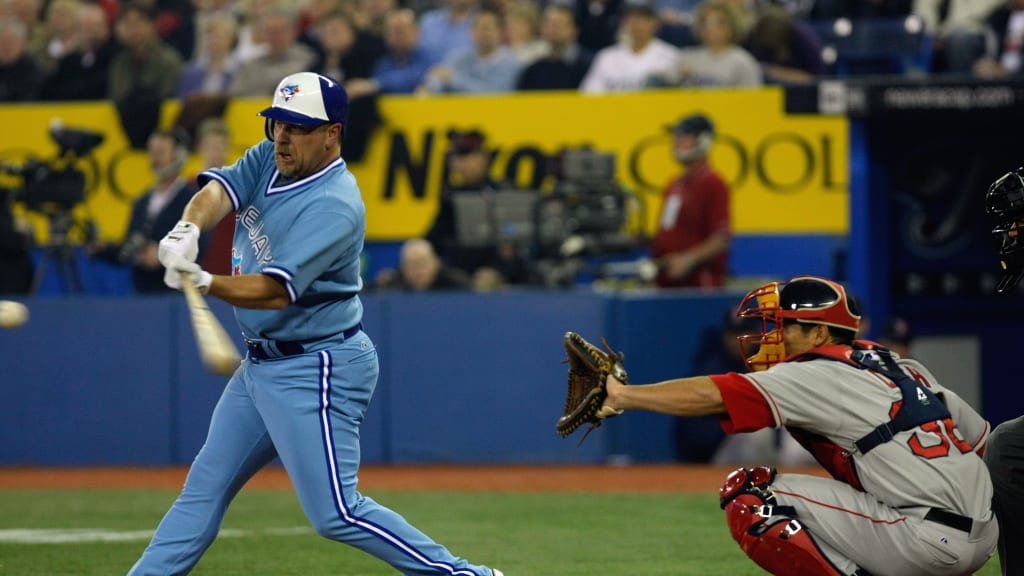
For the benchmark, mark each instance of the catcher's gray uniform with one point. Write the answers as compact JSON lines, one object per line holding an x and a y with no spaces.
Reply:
{"x":919,"y":504}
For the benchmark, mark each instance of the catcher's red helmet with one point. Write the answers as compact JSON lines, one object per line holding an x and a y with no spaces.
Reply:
{"x":806,"y":299}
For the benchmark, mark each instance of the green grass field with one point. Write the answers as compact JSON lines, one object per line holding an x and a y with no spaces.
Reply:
{"x":102,"y":532}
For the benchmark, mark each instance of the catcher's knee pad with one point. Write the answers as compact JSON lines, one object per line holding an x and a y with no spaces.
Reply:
{"x":774,"y":540}
{"x":748,"y":481}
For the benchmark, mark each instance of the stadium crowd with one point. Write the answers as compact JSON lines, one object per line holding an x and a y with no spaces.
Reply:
{"x":135,"y":50}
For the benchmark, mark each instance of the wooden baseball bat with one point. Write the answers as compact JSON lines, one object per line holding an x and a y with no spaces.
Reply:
{"x":216,"y":349}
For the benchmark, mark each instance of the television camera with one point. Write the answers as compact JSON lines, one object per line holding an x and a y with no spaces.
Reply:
{"x":57,"y":184}
{"x":54,"y":188}
{"x":585,"y":215}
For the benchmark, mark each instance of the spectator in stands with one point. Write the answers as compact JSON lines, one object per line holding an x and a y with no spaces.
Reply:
{"x":719,"y":60}
{"x":565,"y":62}
{"x":372,"y":15}
{"x":522,"y":23}
{"x":402,"y":69}
{"x":62,"y":22}
{"x":259,"y":76}
{"x":788,"y":50}
{"x":487,"y":68}
{"x":958,"y":31}
{"x":896,"y":336}
{"x":154,"y":213}
{"x":143,"y":73}
{"x":175,"y":25}
{"x":746,"y":13}
{"x":345,"y":51}
{"x":1005,"y":56}
{"x":16,"y":245}
{"x":311,"y":15}
{"x":421,"y":270}
{"x":213,"y":144}
{"x":213,"y":71}
{"x":691,"y":246}
{"x":251,"y":43}
{"x":29,"y":13}
{"x":211,"y":9}
{"x":599,"y":23}
{"x":640,"y":60}
{"x":468,"y":173}
{"x":83,"y":74}
{"x":21,"y":74}
{"x":447,"y":30}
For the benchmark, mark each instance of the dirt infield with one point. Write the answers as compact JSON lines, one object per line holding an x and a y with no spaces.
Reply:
{"x":661,"y":478}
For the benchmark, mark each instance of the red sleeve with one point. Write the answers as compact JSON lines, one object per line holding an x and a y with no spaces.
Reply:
{"x":746,"y":408}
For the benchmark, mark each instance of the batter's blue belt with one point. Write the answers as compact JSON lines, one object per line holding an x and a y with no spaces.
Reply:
{"x":267,"y":349}
{"x":956,"y":521}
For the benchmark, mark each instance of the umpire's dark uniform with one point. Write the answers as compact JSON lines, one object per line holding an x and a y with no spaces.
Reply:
{"x":1004,"y":456}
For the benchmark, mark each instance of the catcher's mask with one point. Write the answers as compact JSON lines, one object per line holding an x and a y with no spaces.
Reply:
{"x":306,"y":99}
{"x":805,"y":299}
{"x":1005,"y":203}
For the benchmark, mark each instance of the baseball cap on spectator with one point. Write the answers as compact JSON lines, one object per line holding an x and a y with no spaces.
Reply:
{"x":467,"y":142}
{"x":640,"y":6}
{"x":695,"y":124}
{"x":898,"y":331}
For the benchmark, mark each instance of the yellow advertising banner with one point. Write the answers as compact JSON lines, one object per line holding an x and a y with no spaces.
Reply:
{"x":788,"y":174}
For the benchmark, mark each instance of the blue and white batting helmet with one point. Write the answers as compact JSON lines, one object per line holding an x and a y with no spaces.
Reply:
{"x":306,"y":99}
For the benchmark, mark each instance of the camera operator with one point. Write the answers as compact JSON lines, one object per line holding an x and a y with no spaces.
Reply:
{"x":155,"y":213}
{"x":15,"y":251}
{"x":490,"y":266}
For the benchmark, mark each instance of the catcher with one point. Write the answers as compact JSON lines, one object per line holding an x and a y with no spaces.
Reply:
{"x":909,"y":494}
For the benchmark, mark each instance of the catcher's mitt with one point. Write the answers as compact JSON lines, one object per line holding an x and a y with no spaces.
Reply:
{"x":589,"y":367}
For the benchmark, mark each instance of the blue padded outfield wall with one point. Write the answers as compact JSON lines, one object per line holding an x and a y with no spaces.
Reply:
{"x":465,"y":378}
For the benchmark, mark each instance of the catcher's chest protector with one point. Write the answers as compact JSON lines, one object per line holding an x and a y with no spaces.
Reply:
{"x":919,"y":404}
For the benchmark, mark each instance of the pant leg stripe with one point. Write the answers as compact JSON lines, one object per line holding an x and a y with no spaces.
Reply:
{"x":326,"y":363}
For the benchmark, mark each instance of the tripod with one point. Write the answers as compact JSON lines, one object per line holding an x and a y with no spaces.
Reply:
{"x":59,"y":252}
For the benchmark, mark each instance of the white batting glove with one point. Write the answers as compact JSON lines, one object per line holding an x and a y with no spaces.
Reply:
{"x":182,"y":241}
{"x":178,"y":266}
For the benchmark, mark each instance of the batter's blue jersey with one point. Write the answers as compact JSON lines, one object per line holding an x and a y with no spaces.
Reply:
{"x":308,"y":233}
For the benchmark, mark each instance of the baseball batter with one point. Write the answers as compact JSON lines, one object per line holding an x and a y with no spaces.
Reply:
{"x":1005,"y":454}
{"x":910,"y":494}
{"x":310,"y":371}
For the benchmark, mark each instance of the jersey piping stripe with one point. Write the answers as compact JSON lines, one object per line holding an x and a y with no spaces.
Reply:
{"x":983,"y":440}
{"x":285,"y":275}
{"x":838,"y":508}
{"x":232,"y":195}
{"x":776,"y":412}
{"x":326,"y":362}
{"x":271,"y":189}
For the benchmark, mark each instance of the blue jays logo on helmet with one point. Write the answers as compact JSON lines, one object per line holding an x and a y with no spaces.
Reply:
{"x":289,"y":91}
{"x":306,"y":99}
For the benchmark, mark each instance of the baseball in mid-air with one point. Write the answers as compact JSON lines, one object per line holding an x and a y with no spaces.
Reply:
{"x":12,"y":314}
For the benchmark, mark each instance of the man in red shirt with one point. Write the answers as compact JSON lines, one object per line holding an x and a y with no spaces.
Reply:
{"x":691,"y":247}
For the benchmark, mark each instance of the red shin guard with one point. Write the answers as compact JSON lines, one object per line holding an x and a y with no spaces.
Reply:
{"x":778,"y":544}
